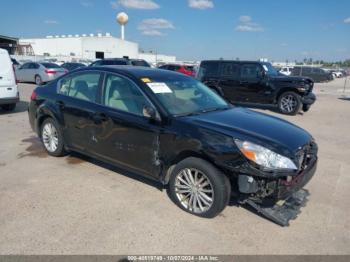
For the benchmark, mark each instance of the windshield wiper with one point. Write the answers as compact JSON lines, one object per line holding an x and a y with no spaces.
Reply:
{"x":202,"y":111}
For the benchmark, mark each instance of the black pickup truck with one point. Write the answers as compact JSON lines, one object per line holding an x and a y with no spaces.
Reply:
{"x":257,"y":83}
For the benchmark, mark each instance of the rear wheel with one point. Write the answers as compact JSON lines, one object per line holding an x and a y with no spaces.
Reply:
{"x":51,"y":137}
{"x":38,"y":80}
{"x":9,"y":107}
{"x":199,"y":188}
{"x":289,"y":103}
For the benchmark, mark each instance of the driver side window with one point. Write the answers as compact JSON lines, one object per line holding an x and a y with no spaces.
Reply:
{"x":250,"y":72}
{"x":123,"y":95}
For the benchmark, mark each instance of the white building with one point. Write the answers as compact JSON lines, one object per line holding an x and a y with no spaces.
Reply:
{"x":90,"y":47}
{"x":82,"y":46}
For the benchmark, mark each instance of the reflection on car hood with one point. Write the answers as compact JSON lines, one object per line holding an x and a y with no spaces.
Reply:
{"x":257,"y":127}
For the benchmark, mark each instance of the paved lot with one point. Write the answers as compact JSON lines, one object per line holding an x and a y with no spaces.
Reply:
{"x":74,"y":206}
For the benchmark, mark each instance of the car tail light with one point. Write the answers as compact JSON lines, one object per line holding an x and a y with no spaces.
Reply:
{"x":33,"y":96}
{"x":50,"y":71}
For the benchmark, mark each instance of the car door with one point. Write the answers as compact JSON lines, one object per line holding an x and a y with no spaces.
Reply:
{"x":31,"y":72}
{"x":77,"y":99}
{"x":22,"y":71}
{"x":251,"y":85}
{"x":229,"y":81}
{"x":123,"y":135}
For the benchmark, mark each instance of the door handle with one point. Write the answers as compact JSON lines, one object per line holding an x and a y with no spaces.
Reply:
{"x":243,"y":82}
{"x":99,"y":118}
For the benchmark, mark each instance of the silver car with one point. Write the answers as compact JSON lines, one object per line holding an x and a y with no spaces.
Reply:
{"x":39,"y":73}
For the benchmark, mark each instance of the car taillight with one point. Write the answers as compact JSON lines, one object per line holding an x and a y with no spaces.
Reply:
{"x":33,"y":96}
{"x":50,"y":71}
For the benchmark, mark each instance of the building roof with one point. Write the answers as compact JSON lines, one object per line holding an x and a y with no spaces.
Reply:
{"x":8,"y":38}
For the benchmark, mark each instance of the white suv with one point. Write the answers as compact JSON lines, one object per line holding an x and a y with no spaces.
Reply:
{"x":286,"y":70}
{"x":9,"y":95}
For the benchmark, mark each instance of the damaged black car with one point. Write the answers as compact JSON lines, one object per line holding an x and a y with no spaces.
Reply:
{"x":173,"y":129}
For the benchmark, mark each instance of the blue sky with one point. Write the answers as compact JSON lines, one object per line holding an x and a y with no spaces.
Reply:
{"x":197,"y":29}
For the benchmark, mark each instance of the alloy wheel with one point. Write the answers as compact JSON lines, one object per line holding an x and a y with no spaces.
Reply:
{"x":288,"y":103}
{"x":50,"y":137}
{"x":194,"y":190}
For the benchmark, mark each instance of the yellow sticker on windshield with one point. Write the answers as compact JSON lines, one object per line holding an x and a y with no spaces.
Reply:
{"x":146,"y":80}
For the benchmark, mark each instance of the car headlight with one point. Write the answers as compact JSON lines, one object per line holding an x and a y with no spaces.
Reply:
{"x":264,"y":157}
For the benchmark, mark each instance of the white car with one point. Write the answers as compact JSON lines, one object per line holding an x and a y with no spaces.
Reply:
{"x":9,"y":95}
{"x":287,"y":70}
{"x":39,"y":72}
{"x":337,"y":74}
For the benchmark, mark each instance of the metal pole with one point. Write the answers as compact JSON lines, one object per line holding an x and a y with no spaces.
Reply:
{"x":346,"y":80}
{"x":122,"y":32}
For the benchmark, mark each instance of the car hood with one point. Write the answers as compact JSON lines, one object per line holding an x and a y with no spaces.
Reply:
{"x":244,"y":124}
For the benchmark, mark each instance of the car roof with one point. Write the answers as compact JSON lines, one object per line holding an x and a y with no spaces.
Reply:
{"x":137,"y":72}
{"x":235,"y":61}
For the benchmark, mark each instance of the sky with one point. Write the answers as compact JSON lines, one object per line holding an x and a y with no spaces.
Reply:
{"x":196,"y":29}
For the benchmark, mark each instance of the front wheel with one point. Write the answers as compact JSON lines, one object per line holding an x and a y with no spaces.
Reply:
{"x":199,"y":188}
{"x":51,"y":137}
{"x":289,"y":103}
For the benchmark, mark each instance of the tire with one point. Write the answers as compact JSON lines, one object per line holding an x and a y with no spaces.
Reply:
{"x":9,"y":107}
{"x":289,"y":103}
{"x":215,"y":186}
{"x":52,"y":138}
{"x":38,"y":81}
{"x":306,"y":108}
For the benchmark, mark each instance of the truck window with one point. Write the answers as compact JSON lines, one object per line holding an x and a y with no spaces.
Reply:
{"x":230,"y":70}
{"x":208,"y":69}
{"x":250,"y":71}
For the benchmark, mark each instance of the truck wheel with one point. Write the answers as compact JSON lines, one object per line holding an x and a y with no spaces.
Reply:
{"x":306,"y":108}
{"x":38,"y":80}
{"x":9,"y":107}
{"x":289,"y":103}
{"x":199,"y":188}
{"x":52,"y":138}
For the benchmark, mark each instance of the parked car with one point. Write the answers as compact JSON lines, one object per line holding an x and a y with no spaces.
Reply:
{"x":257,"y":83}
{"x":173,"y":129}
{"x":120,"y":61}
{"x":315,"y":73}
{"x":39,"y":73}
{"x":9,"y":95}
{"x":286,"y":70}
{"x":72,"y":66}
{"x":186,"y":70}
{"x":336,"y":73}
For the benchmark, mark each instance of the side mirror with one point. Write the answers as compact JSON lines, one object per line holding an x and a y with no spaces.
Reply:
{"x":150,"y":112}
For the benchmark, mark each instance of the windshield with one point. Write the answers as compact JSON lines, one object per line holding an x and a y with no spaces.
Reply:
{"x":182,"y":96}
{"x":140,"y":63}
{"x":269,"y":69}
{"x":50,"y":65}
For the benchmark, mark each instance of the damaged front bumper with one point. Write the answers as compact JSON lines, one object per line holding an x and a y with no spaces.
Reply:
{"x":278,"y":199}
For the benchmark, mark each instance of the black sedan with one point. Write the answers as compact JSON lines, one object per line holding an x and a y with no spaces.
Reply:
{"x":72,"y":66}
{"x":174,"y":129}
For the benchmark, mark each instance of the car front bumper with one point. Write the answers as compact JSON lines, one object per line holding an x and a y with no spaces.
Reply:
{"x":309,"y":99}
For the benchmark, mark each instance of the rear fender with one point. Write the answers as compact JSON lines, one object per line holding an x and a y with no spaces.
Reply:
{"x":47,"y":110}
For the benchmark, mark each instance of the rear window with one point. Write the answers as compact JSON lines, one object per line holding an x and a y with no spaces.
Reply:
{"x":113,"y":62}
{"x":50,"y":65}
{"x":140,"y":63}
{"x":208,"y":69}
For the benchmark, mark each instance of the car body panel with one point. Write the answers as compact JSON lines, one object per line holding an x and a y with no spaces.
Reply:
{"x":8,"y":87}
{"x":150,"y":147}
